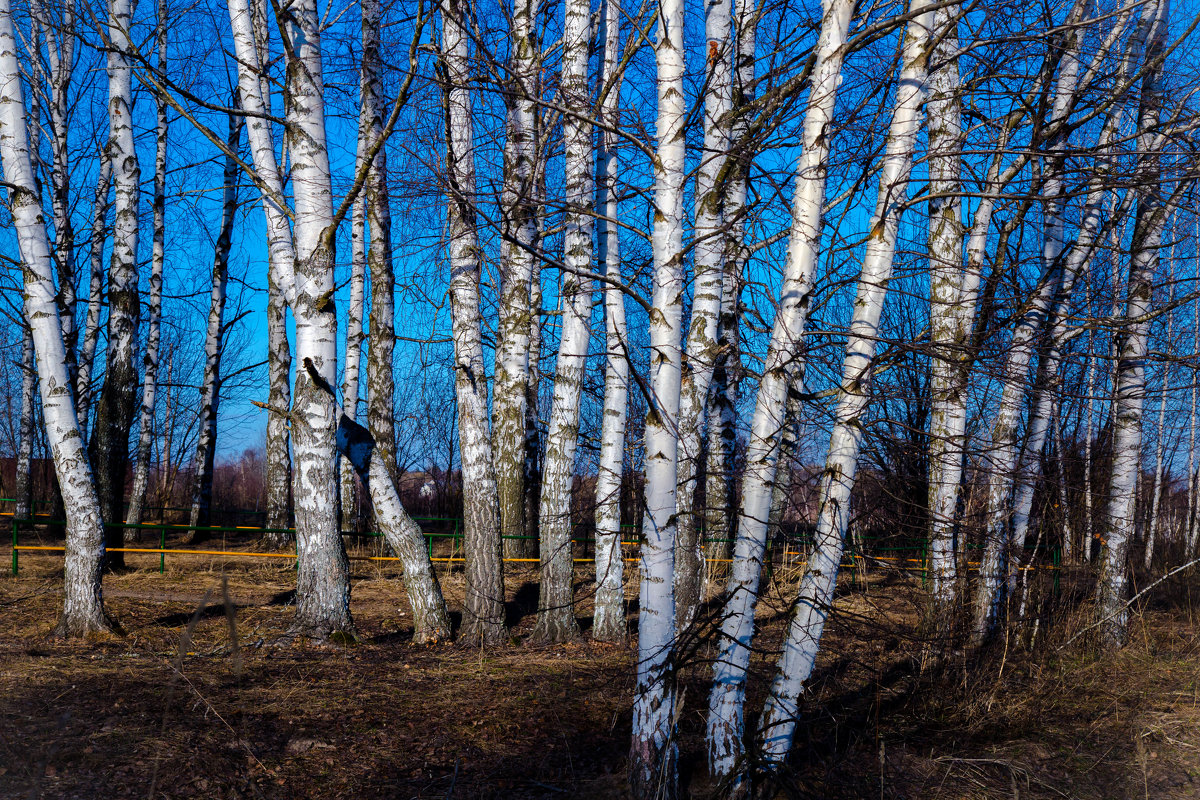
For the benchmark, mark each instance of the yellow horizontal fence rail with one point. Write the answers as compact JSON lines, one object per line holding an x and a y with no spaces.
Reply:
{"x":792,"y":556}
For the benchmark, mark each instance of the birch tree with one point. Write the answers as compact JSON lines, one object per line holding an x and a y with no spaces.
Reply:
{"x":519,"y":231}
{"x":725,"y":724}
{"x":483,"y":615}
{"x":301,"y":263}
{"x":947,"y":421}
{"x":556,"y":617}
{"x":809,"y":612}
{"x":381,"y":385}
{"x":83,"y":604}
{"x":652,"y":768}
{"x":609,"y":623}
{"x":141,"y":459}
{"x":1129,"y":381}
{"x":724,"y":395}
{"x":118,"y":395}
{"x":707,"y":296}
{"x":23,"y":483}
{"x":101,"y":203}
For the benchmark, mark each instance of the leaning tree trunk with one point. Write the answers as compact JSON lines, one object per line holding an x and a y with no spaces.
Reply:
{"x":702,"y":335}
{"x":483,"y":612}
{"x":725,"y":724}
{"x":1130,"y":381}
{"x":778,"y":722}
{"x":519,"y":232}
{"x":83,"y":605}
{"x":118,"y":395}
{"x":60,"y":39}
{"x":210,"y":388}
{"x":652,"y":761}
{"x":609,"y":623}
{"x":556,"y":614}
{"x":141,"y":460}
{"x":431,"y":620}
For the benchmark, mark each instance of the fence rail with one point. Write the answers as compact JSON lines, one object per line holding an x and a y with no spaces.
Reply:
{"x":791,"y":554}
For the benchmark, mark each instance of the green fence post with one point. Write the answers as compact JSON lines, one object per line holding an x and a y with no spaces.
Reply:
{"x":162,"y":545}
{"x":14,"y":546}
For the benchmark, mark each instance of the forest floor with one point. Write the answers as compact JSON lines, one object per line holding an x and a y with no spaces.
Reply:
{"x":150,"y":714}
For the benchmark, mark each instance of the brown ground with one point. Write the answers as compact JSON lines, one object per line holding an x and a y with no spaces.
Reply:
{"x":131,"y":717}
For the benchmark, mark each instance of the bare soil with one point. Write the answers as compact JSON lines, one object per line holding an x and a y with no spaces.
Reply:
{"x":200,"y":700}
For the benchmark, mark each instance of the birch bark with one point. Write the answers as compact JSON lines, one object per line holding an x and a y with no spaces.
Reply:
{"x":381,"y":384}
{"x":519,"y":233}
{"x":322,"y":582}
{"x":609,"y":624}
{"x":652,"y":768}
{"x":724,"y":395}
{"x":141,"y":461}
{"x":1130,"y":383}
{"x":946,"y":419}
{"x":725,"y":723}
{"x":83,"y":605}
{"x":778,"y":721}
{"x":483,"y":614}
{"x":348,"y":492}
{"x":556,"y":616}
{"x":23,"y":486}
{"x":118,"y":395}
{"x":702,"y":342}
{"x":91,"y":329}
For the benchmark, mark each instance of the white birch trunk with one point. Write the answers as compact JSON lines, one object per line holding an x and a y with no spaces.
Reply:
{"x":702,"y":336}
{"x":724,"y":395}
{"x":556,"y":616}
{"x":83,"y":606}
{"x":652,"y":762}
{"x":323,"y":575}
{"x":431,"y":620}
{"x":949,"y":340}
{"x":726,"y":715}
{"x":141,"y":461}
{"x":519,"y":233}
{"x":608,"y":624}
{"x":278,"y":455}
{"x":348,"y":493}
{"x":23,"y":486}
{"x":322,"y":583}
{"x":381,"y":383}
{"x":1130,"y":382}
{"x":483,"y":613}
{"x":91,"y":328}
{"x":118,"y":395}
{"x":778,"y":722}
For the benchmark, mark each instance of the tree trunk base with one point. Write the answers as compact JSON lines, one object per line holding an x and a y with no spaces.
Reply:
{"x":92,"y":626}
{"x":557,"y":626}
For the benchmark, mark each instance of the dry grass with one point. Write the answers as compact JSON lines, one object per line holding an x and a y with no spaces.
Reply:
{"x":386,"y":719}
